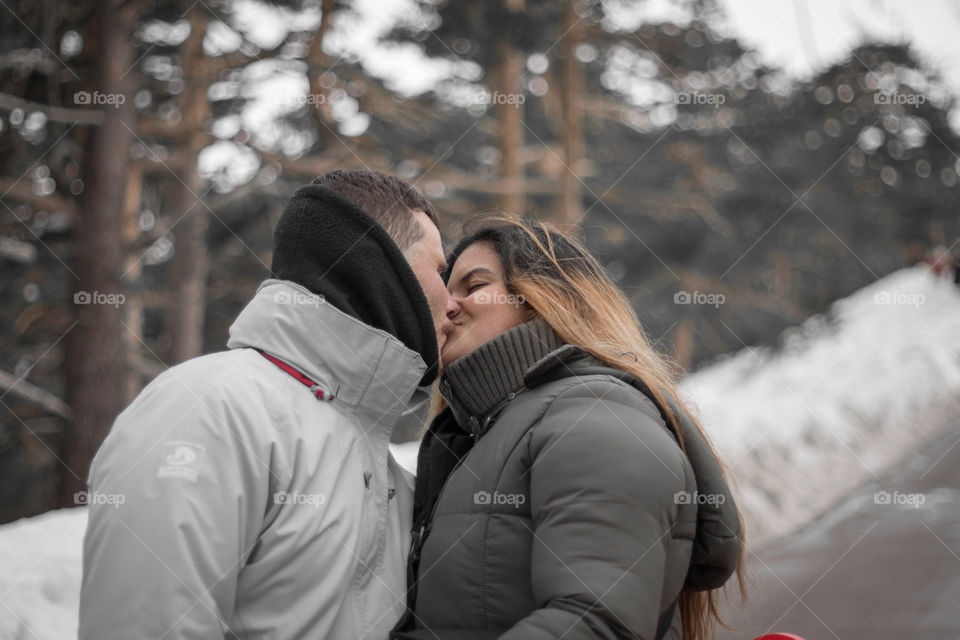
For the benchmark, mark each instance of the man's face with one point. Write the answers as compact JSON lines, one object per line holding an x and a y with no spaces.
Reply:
{"x":428,"y":263}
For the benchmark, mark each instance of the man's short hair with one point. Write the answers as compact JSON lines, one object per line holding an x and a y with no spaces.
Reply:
{"x":388,"y":200}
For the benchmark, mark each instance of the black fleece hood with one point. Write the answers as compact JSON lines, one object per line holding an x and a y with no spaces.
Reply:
{"x":332,"y":247}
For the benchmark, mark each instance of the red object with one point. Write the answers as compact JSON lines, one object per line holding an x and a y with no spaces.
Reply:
{"x":779,"y":636}
{"x":296,"y":373}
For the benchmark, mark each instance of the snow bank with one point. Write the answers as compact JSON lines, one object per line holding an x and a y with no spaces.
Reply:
{"x":799,"y":427}
{"x":843,"y":398}
{"x":40,"y":580}
{"x":406,"y":455}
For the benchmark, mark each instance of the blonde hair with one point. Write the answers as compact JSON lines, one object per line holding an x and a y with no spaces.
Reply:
{"x":566,"y":286}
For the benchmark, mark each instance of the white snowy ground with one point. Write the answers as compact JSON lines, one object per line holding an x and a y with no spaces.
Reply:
{"x":799,"y":427}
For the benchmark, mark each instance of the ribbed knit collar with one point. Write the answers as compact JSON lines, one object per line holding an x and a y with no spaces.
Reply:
{"x":477,"y":382}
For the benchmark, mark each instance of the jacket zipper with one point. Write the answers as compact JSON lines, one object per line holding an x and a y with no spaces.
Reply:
{"x":418,"y":536}
{"x":420,"y":533}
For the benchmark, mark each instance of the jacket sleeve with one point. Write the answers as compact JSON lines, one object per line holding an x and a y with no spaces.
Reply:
{"x":603,"y":478}
{"x":176,"y":496}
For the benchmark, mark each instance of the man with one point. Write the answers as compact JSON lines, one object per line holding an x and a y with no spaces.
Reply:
{"x":259,"y":496}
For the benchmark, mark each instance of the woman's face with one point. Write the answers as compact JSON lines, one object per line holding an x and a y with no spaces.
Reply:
{"x":485,"y":308}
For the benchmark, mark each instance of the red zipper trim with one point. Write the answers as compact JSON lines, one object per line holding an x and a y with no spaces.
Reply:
{"x":299,"y":375}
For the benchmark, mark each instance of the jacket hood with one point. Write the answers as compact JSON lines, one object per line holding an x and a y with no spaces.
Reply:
{"x":332,"y":247}
{"x":716,"y":545}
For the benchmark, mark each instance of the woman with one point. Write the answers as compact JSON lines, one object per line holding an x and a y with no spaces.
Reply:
{"x":561,"y":492}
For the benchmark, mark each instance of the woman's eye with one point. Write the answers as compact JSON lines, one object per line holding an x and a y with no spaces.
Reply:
{"x":474,"y":287}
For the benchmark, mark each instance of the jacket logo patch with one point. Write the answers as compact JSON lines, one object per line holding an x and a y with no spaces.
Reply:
{"x":180,"y":460}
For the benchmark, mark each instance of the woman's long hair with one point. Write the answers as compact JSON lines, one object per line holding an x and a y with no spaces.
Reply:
{"x":564,"y":284}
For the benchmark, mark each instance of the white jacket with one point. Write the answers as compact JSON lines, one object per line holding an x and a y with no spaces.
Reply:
{"x":228,"y":501}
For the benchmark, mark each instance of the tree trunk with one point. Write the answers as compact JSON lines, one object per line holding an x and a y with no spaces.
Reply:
{"x":132,"y":271}
{"x":572,"y":91}
{"x":190,"y":265}
{"x":96,"y":368}
{"x":509,"y":108}
{"x":683,"y":343}
{"x":318,"y":65}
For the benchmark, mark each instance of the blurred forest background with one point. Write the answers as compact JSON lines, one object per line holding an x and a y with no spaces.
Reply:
{"x":147,"y":149}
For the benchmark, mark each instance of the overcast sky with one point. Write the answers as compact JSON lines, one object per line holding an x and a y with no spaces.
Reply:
{"x":799,"y":36}
{"x":804,"y":35}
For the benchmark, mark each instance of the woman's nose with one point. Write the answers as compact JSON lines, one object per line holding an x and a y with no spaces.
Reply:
{"x":453,"y":307}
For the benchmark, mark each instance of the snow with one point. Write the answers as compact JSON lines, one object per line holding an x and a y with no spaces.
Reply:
{"x":798,"y":427}
{"x":406,"y":454}
{"x":40,"y":581}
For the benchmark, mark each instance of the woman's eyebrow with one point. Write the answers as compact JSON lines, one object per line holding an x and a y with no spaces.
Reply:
{"x":467,"y":275}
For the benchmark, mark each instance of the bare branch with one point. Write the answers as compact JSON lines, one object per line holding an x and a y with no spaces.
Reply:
{"x":33,"y":59}
{"x":17,"y":250}
{"x":20,"y":190}
{"x":55,"y":114}
{"x":32,"y":393}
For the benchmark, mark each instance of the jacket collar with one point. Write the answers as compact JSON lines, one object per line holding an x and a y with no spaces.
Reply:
{"x":326,"y":243}
{"x":477,"y":383}
{"x":365,"y":368}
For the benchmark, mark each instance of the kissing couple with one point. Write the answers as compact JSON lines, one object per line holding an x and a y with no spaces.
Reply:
{"x":563,"y":489}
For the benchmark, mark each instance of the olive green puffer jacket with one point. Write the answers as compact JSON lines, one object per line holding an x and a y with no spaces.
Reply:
{"x":561,"y":508}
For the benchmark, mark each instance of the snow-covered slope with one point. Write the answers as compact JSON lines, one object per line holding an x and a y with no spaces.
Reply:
{"x":40,"y":575}
{"x":798,"y":427}
{"x":845,"y":395}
